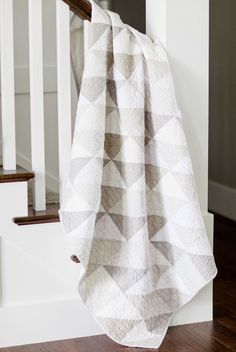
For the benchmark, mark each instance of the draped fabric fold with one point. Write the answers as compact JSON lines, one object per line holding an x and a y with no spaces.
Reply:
{"x":131,"y":212}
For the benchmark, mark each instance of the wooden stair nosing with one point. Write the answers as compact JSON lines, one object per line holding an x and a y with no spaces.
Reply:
{"x":42,"y":217}
{"x":39,"y":217}
{"x":18,"y":175}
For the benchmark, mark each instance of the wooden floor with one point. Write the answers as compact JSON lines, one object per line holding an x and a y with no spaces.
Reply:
{"x":217,"y":336}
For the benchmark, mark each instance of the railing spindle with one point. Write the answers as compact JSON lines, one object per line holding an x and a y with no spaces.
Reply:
{"x":7,"y":84}
{"x":37,"y":102}
{"x":64,"y":92}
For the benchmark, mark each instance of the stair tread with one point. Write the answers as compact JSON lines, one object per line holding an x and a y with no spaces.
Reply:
{"x":18,"y":175}
{"x":39,"y":217}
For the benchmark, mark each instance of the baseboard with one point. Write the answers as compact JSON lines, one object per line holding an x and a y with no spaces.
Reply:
{"x":222,"y":200}
{"x":45,"y":321}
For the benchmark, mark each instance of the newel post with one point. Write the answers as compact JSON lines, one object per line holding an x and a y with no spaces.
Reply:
{"x":183,"y":27}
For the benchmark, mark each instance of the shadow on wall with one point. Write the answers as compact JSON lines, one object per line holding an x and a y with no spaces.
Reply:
{"x":131,"y":12}
{"x":222,"y":163}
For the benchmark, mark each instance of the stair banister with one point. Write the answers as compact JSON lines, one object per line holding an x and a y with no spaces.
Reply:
{"x":81,"y":8}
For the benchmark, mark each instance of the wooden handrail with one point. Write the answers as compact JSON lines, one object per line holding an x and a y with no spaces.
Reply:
{"x":81,"y":8}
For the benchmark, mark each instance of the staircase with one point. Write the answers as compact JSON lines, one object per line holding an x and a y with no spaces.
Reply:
{"x":38,"y":289}
{"x":33,"y":217}
{"x":38,"y":281}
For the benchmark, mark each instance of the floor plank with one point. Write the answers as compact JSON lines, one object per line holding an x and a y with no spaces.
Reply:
{"x":216,"y":336}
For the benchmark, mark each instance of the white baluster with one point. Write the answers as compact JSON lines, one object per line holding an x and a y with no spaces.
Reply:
{"x":7,"y":84}
{"x":37,"y":102}
{"x":64,"y":92}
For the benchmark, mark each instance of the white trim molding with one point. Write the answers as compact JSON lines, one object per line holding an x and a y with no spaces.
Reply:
{"x":45,"y":321}
{"x":222,"y":200}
